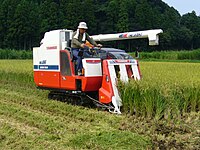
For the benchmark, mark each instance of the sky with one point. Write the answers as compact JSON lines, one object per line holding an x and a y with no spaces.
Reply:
{"x":185,"y":6}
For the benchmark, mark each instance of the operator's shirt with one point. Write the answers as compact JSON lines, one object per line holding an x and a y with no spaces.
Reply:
{"x":76,"y":43}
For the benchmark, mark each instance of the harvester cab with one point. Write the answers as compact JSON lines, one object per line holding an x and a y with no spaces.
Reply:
{"x":54,"y":68}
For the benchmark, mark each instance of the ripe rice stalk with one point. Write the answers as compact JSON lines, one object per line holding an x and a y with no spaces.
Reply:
{"x":17,"y":71}
{"x":166,"y":91}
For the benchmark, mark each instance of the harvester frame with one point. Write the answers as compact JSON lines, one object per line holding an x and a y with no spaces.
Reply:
{"x":54,"y":68}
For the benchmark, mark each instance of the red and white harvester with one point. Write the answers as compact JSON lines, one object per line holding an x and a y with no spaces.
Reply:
{"x":54,"y":68}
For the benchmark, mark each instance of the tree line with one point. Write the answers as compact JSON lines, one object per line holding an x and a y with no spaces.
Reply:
{"x":24,"y":22}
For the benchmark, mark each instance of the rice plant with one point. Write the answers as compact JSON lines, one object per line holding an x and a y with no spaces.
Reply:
{"x":166,"y":91}
{"x":16,"y":71}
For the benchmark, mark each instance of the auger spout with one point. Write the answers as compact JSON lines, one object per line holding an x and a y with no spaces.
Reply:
{"x":152,"y":35}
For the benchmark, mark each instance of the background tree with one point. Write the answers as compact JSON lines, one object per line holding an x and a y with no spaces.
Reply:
{"x":7,"y":17}
{"x":49,"y":16}
{"x":25,"y":25}
{"x":143,"y":15}
{"x":192,"y":22}
{"x":72,"y":13}
{"x":184,"y":38}
{"x":24,"y":22}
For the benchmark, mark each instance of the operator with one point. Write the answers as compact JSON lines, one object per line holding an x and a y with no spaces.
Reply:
{"x":79,"y":38}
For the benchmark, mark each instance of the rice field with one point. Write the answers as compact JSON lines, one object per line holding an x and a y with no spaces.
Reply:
{"x":160,"y":112}
{"x":167,"y":90}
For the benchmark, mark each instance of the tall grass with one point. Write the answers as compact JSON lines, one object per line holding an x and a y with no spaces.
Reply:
{"x":171,"y":55}
{"x":166,"y":55}
{"x":15,"y":54}
{"x":167,"y":90}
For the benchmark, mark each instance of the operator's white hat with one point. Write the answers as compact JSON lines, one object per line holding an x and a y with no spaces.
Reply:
{"x":82,"y":25}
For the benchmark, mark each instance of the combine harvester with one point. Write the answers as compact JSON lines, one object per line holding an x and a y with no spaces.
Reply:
{"x":54,"y":68}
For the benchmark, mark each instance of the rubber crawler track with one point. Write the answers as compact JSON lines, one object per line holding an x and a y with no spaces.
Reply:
{"x":79,"y":99}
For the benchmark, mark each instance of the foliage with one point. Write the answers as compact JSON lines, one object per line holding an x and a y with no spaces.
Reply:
{"x":24,"y":22}
{"x":192,"y":22}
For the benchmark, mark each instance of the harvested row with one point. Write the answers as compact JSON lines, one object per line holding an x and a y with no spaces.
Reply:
{"x":28,"y":120}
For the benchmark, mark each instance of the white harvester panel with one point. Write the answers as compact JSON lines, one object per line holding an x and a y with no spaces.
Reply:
{"x":92,"y":67}
{"x":123,"y":70}
{"x":47,"y":56}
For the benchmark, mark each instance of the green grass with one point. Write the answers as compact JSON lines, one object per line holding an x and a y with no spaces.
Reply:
{"x":193,"y":55}
{"x":28,"y":120}
{"x":15,"y":54}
